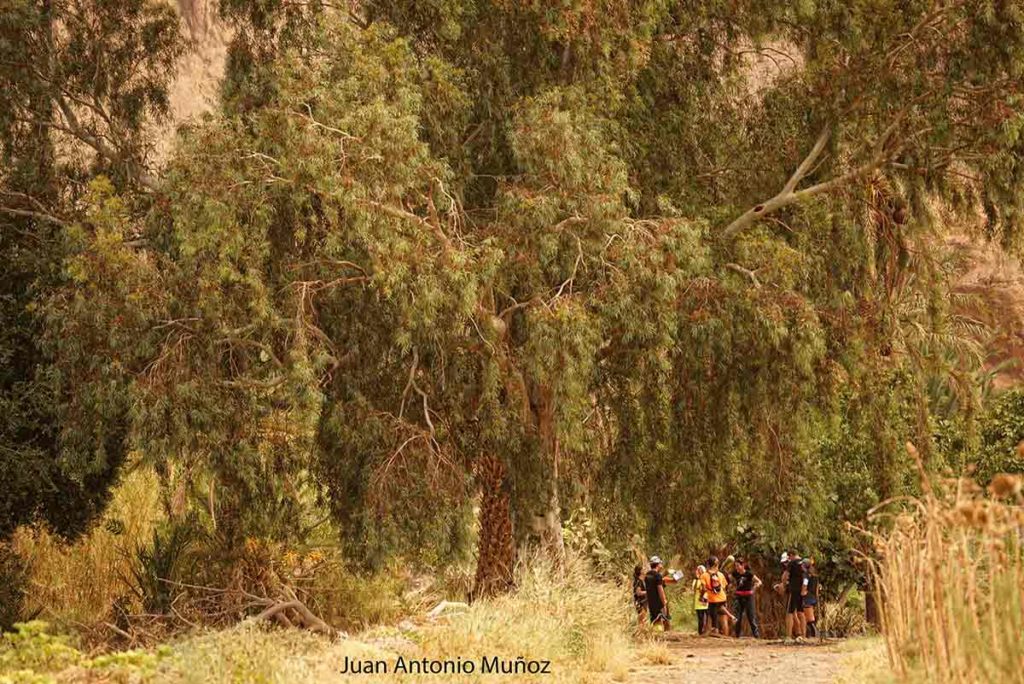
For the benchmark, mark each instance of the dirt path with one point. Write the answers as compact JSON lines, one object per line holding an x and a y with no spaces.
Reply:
{"x":679,"y":659}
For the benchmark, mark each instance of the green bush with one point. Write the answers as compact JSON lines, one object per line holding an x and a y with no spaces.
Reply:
{"x":156,"y":567}
{"x":30,"y":648}
{"x":1002,"y":430}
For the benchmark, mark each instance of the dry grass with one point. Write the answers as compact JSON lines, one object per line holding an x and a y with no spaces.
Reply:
{"x":952,"y":577}
{"x":864,"y":662}
{"x":580,"y":624}
{"x":76,"y":584}
{"x":655,"y":653}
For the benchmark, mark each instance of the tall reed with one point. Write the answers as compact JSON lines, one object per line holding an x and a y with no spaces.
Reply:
{"x":950,"y":574}
{"x":76,"y":584}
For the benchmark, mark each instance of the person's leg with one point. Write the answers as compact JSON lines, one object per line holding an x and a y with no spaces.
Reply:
{"x":731,"y":619}
{"x":812,"y":630}
{"x":755,"y":629}
{"x":789,"y":624}
{"x":737,"y":629}
{"x":795,"y":615}
{"x":714,"y":617}
{"x":701,"y":614}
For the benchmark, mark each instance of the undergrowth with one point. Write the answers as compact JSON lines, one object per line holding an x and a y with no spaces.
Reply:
{"x":564,"y":615}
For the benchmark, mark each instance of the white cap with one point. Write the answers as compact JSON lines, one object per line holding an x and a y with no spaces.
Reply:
{"x":655,"y":560}
{"x":785,"y":557}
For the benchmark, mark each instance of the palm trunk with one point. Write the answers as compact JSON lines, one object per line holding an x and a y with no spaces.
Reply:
{"x":495,"y":547}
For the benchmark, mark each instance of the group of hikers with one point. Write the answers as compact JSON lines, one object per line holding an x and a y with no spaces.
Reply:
{"x":711,"y":587}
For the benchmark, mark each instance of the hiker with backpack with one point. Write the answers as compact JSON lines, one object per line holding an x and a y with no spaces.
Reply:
{"x":795,"y":589}
{"x":714,"y":589}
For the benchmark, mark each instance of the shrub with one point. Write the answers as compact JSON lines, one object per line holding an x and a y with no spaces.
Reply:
{"x":30,"y":647}
{"x":1002,"y":436}
{"x":844,"y":618}
{"x":157,"y":567}
{"x":578,"y":622}
{"x":13,"y":578}
{"x":78,"y":583}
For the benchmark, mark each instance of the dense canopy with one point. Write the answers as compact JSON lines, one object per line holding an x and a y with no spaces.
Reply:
{"x":675,"y":262}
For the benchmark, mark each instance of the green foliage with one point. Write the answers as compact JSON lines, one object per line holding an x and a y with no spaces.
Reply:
{"x":31,"y":654}
{"x":420,"y":233}
{"x":31,"y":647}
{"x":74,"y":103}
{"x":157,"y":569}
{"x":1001,"y":433}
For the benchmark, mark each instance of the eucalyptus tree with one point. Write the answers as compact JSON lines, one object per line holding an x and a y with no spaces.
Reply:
{"x":80,"y":81}
{"x":553,"y":254}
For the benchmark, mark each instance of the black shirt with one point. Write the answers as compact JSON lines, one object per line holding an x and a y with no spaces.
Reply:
{"x":796,"y":578}
{"x":744,"y":582}
{"x":652,"y":581}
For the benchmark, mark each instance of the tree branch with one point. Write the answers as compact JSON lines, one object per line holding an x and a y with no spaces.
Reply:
{"x":309,"y":620}
{"x":789,"y":194}
{"x":27,"y":213}
{"x":102,"y":147}
{"x":745,"y":271}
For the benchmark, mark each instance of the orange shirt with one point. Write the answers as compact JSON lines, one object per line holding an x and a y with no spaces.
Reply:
{"x":715,"y":596}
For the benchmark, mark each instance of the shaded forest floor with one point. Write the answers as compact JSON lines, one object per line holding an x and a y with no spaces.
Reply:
{"x":685,"y":658}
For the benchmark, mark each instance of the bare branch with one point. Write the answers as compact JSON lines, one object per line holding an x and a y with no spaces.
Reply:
{"x":102,"y":147}
{"x":308,"y":620}
{"x":28,"y":213}
{"x":410,"y":383}
{"x":745,"y":271}
{"x":789,"y":194}
{"x":398,"y":212}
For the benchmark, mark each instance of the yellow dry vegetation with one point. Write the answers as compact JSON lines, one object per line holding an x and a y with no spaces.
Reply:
{"x":74,"y":585}
{"x":952,"y":580}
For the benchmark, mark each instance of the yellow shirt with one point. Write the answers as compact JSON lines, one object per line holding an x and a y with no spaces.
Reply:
{"x":713,"y":596}
{"x":698,"y":591}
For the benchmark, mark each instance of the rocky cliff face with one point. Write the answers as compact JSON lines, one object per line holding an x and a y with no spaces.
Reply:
{"x":194,"y":91}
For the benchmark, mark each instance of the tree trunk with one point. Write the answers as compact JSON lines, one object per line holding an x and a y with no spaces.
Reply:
{"x":871,"y":607}
{"x":551,"y":522}
{"x":495,"y":547}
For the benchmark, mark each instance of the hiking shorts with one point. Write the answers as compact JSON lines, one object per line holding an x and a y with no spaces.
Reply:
{"x":660,"y":616}
{"x":796,"y":603}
